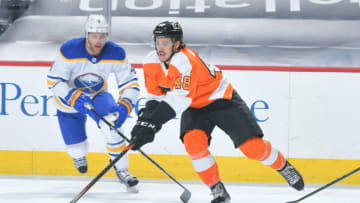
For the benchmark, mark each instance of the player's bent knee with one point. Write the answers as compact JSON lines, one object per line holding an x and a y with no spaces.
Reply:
{"x":255,"y":148}
{"x":195,"y":141}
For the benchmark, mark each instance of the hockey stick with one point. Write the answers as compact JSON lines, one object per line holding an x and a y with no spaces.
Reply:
{"x":101,"y":174}
{"x":325,"y":186}
{"x":185,"y":196}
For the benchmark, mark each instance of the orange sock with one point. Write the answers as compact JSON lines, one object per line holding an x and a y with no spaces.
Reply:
{"x":261,"y":150}
{"x":196,"y":145}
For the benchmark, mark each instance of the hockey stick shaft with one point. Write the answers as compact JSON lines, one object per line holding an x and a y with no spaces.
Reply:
{"x":101,"y":174}
{"x":325,"y":186}
{"x":185,"y":195}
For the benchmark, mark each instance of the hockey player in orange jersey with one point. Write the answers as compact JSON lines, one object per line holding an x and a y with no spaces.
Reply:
{"x":178,"y":82}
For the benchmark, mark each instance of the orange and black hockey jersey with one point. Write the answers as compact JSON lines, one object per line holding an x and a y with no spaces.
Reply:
{"x":190,"y":81}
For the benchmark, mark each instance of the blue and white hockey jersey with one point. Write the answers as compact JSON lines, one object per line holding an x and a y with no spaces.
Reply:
{"x":74,"y":67}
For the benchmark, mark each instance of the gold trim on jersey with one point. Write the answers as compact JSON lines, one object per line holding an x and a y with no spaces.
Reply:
{"x":116,"y":149}
{"x":50,"y":83}
{"x":126,"y":103}
{"x":72,"y":60}
{"x":86,"y":59}
{"x":74,"y":97}
{"x":112,"y":61}
{"x":129,"y":85}
{"x":61,"y":104}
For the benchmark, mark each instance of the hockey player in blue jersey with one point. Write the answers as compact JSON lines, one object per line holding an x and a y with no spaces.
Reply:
{"x":79,"y":76}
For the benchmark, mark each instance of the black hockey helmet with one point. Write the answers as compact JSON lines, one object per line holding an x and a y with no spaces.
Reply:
{"x":169,"y":29}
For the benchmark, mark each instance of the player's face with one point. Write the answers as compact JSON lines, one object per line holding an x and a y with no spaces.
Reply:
{"x":165,"y":48}
{"x":96,"y":42}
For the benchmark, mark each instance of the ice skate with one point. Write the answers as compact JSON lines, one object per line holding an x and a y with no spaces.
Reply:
{"x":220,"y":194}
{"x":128,"y":180}
{"x":81,"y":164}
{"x":292,"y":176}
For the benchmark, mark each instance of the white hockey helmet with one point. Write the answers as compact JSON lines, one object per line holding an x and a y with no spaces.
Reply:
{"x":96,"y":23}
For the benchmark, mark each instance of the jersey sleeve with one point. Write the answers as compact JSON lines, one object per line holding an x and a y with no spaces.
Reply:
{"x":58,"y":77}
{"x":127,"y":80}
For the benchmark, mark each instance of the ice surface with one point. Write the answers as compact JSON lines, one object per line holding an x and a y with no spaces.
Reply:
{"x":16,"y":189}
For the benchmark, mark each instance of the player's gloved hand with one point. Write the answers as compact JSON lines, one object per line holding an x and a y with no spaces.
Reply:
{"x":123,"y":107}
{"x":144,"y":130}
{"x":151,"y":104}
{"x":77,"y":99}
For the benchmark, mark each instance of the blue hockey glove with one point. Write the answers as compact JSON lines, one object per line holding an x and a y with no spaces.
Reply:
{"x":77,"y":99}
{"x":123,"y":107}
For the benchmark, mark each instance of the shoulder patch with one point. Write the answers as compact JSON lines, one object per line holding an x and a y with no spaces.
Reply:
{"x":74,"y":49}
{"x":113,"y":52}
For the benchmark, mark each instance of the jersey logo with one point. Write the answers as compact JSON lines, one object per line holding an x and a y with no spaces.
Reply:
{"x":89,"y":82}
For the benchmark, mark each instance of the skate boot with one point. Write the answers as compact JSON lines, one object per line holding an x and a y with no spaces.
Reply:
{"x":128,"y":180}
{"x":81,"y":164}
{"x":220,"y":194}
{"x":292,"y":176}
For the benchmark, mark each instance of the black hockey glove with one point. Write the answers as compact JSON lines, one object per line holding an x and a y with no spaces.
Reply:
{"x":152,"y":104}
{"x":144,"y":129}
{"x":149,"y":122}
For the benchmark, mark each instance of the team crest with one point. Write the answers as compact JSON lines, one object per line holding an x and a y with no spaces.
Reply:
{"x":89,"y":83}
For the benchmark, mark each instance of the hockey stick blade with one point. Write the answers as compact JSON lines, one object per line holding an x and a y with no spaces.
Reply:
{"x":325,"y":186}
{"x":101,"y":174}
{"x":185,"y":196}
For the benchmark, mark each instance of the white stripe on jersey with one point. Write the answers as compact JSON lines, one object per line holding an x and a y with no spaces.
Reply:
{"x":220,"y":91}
